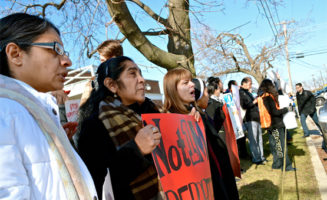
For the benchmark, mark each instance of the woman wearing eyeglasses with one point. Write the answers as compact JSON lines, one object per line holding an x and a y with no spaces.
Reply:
{"x":37,"y":160}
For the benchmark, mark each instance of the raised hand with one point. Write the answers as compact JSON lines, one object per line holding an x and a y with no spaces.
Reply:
{"x":147,"y":139}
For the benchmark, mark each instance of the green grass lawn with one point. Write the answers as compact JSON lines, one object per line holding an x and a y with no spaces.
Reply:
{"x":262,"y":182}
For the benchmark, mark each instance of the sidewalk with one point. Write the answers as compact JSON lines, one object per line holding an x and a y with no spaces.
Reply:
{"x":313,"y":143}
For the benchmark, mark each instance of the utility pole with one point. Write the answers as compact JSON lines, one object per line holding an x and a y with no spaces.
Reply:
{"x":314,"y":82}
{"x":286,"y":51}
{"x":322,"y":79}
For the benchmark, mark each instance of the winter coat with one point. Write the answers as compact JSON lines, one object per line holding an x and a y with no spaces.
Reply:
{"x":223,"y":179}
{"x":275,"y":113}
{"x":28,"y":166}
{"x":215,"y":112}
{"x":306,"y":102}
{"x":99,"y":153}
{"x":246,"y":101}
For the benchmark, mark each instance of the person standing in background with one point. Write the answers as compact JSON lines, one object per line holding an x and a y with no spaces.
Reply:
{"x":241,"y":142}
{"x":252,"y":121}
{"x":215,"y":103}
{"x":107,"y":49}
{"x":306,"y":103}
{"x":276,"y":130}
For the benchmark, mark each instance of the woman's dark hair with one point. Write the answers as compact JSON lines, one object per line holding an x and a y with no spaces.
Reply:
{"x":20,"y":28}
{"x":111,"y":68}
{"x":212,"y":84}
{"x":267,"y":86}
{"x":230,"y":83}
{"x":199,"y":87}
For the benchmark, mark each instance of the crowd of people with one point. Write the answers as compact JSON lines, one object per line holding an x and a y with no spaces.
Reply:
{"x":44,"y":158}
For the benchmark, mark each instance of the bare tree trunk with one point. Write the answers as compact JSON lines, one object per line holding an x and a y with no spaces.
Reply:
{"x":180,"y":37}
{"x":174,"y":57}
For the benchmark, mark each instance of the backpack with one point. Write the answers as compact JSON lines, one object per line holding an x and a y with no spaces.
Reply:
{"x":265,"y":118}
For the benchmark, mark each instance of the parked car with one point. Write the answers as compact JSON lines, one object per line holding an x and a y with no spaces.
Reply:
{"x":321,"y":96}
{"x":321,"y":99}
{"x":323,"y":124}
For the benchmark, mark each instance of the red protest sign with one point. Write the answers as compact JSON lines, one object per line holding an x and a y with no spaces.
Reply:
{"x":181,"y":158}
{"x":231,"y":144}
{"x":71,"y":107}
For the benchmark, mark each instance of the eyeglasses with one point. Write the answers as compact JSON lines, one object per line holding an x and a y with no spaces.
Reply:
{"x":57,"y":47}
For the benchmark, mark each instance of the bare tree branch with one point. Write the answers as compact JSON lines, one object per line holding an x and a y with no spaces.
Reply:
{"x":240,"y":41}
{"x":135,"y":36}
{"x":108,"y":24}
{"x":156,"y":33}
{"x":44,"y":6}
{"x":234,"y":70}
{"x":230,"y":54}
{"x":90,"y":54}
{"x":150,"y":12}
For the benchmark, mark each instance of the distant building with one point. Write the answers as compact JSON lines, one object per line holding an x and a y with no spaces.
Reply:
{"x":152,"y":91}
{"x":77,"y":79}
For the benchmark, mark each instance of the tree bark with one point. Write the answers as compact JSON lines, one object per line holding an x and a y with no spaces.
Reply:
{"x":180,"y":37}
{"x":168,"y":60}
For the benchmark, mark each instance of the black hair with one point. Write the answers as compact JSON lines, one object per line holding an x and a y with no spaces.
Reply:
{"x":299,"y":84}
{"x":20,"y":28}
{"x":111,"y":68}
{"x":267,"y":86}
{"x":199,"y":86}
{"x":246,"y":80}
{"x":212,"y":84}
{"x":230,"y":83}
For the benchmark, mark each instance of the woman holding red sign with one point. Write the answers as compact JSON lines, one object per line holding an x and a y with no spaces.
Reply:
{"x":111,"y":129}
{"x":180,"y":97}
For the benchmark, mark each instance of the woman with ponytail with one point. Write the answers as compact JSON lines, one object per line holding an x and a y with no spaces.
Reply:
{"x":111,"y":135}
{"x":276,"y":130}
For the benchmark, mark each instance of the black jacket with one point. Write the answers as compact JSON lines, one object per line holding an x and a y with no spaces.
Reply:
{"x":306,"y":102}
{"x":224,"y":185}
{"x":98,"y":151}
{"x":275,"y":114}
{"x":215,"y":112}
{"x":252,"y":111}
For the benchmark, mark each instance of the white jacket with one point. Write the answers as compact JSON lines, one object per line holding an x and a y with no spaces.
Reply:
{"x":28,"y":169}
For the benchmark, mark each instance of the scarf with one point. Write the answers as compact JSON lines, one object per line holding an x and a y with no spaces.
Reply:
{"x":74,"y":183}
{"x":219,"y":99}
{"x":123,"y":124}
